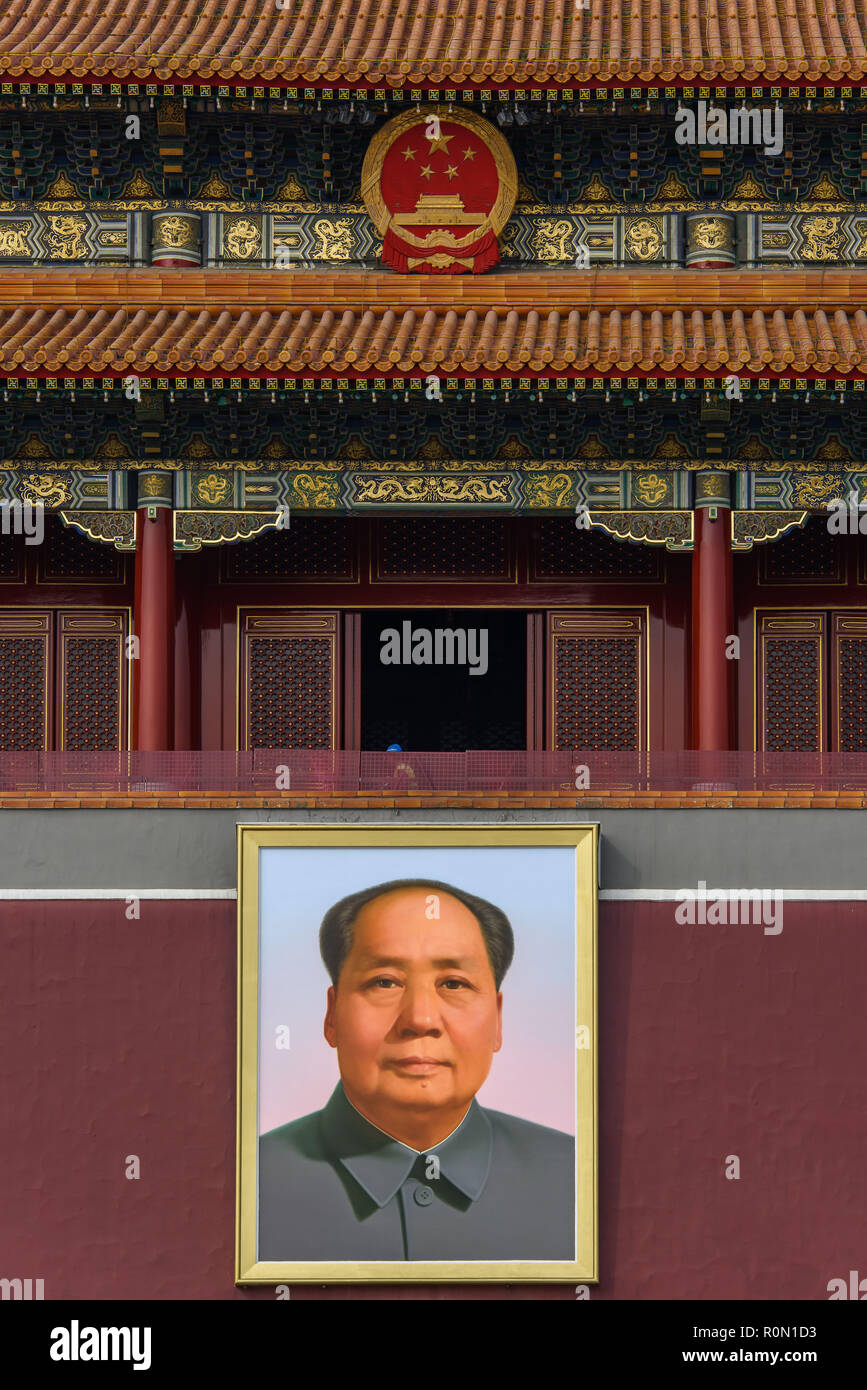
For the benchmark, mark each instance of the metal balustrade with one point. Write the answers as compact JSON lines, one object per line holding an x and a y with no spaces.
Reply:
{"x":315,"y":772}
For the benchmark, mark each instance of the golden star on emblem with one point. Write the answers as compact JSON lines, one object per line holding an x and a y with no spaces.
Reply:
{"x":451,"y":172}
{"x":426,"y":172}
{"x":409,"y":153}
{"x":469,"y":153}
{"x":441,"y":143}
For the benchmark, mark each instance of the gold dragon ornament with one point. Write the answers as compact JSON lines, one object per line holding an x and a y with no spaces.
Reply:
{"x":552,"y":240}
{"x":822,"y":238}
{"x":243,"y":239}
{"x":65,"y":237}
{"x":48,"y":488}
{"x":14,"y":239}
{"x":651,"y":489}
{"x":335,"y":239}
{"x":709,"y":233}
{"x":176,"y":231}
{"x":644,"y":239}
{"x":212,"y":488}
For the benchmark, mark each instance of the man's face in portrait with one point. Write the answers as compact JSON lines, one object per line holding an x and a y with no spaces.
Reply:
{"x":415,"y":1016}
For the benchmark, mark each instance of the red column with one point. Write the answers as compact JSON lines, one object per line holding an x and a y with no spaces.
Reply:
{"x":191,"y":580}
{"x":183,"y":673}
{"x":712,"y":625}
{"x":154,"y":625}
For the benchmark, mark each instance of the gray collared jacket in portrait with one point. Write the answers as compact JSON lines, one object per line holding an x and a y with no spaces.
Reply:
{"x":334,"y":1187}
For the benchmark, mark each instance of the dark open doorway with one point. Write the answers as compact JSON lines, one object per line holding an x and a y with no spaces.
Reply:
{"x":443,"y":680}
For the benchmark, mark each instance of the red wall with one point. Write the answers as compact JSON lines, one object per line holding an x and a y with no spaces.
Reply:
{"x":118,"y":1037}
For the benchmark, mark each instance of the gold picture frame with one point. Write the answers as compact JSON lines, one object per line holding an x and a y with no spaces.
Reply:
{"x":583,"y":842}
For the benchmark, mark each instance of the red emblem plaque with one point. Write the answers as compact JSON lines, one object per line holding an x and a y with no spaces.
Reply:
{"x":439,"y":188}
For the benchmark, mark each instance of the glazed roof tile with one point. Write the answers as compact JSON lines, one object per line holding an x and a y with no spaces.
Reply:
{"x":177,"y":321}
{"x":409,"y":42}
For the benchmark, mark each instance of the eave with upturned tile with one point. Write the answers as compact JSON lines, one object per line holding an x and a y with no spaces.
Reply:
{"x":393,"y":43}
{"x":189,"y":322}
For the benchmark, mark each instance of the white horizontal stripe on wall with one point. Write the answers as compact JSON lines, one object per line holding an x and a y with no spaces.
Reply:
{"x":788,"y":895}
{"x":58,"y":894}
{"x":634,"y":895}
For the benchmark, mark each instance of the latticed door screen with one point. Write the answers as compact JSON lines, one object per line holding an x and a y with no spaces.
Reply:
{"x":791,"y":679}
{"x":64,"y":680}
{"x":445,"y":548}
{"x":849,"y":682}
{"x":312,"y":549}
{"x":25,"y":680}
{"x":290,"y":673}
{"x":597,"y":679}
{"x":93,"y":677}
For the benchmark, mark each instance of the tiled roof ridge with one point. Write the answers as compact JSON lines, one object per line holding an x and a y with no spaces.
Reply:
{"x":236,"y":290}
{"x":413,"y":42}
{"x":185,"y":322}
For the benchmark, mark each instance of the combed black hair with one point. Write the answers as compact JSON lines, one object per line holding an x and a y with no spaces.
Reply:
{"x":335,"y":934}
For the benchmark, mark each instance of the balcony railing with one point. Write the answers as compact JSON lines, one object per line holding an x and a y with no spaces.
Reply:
{"x":269,"y":772}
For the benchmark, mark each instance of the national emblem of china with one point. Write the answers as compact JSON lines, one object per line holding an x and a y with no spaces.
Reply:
{"x":439,"y":189}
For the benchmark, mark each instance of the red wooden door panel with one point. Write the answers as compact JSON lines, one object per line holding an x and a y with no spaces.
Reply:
{"x":290,"y":673}
{"x":26,"y":680}
{"x":791,"y":680}
{"x":597,"y":679}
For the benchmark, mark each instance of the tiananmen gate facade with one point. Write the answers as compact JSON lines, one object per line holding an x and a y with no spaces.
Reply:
{"x":416,"y":418}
